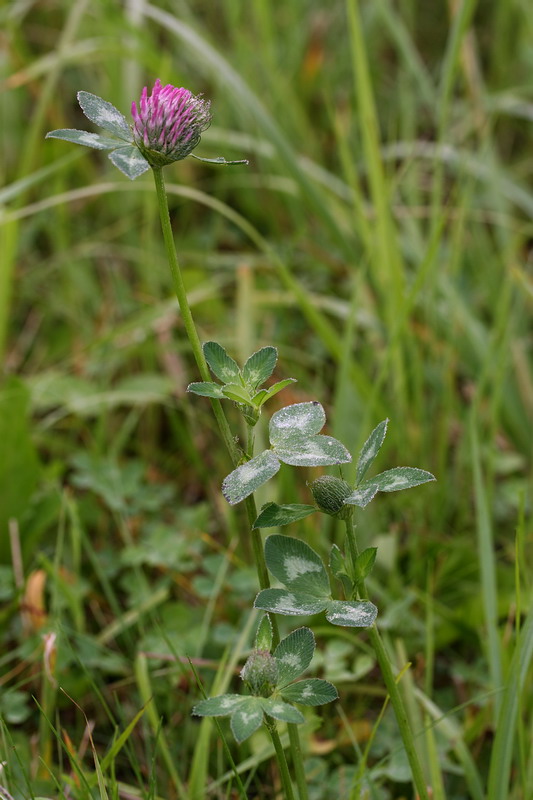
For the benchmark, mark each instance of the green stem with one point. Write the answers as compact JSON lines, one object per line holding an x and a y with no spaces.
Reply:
{"x":392,"y":687}
{"x":282,"y":761}
{"x":229,"y":441}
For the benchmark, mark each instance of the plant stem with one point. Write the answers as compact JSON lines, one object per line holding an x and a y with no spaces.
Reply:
{"x":390,"y":682}
{"x":229,"y":441}
{"x":282,"y":761}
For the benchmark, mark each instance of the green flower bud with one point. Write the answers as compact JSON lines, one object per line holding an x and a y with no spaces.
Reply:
{"x":260,"y":673}
{"x":330,"y":493}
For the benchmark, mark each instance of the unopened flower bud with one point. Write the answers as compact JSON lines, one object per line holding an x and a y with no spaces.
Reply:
{"x":167,"y":125}
{"x":260,"y":673}
{"x":330,"y":493}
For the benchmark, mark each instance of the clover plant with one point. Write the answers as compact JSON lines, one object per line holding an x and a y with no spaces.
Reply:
{"x":166,"y":126}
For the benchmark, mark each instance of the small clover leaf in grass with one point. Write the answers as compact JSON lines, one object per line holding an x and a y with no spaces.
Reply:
{"x":300,"y":569}
{"x":238,"y":385}
{"x":270,"y":678}
{"x":295,"y":440}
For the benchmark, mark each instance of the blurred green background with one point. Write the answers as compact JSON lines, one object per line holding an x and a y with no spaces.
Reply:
{"x":381,"y":239}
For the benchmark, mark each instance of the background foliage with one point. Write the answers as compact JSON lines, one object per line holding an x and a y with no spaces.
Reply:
{"x":381,"y":240}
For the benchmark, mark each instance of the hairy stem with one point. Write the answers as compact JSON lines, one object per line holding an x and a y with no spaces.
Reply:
{"x":390,"y":682}
{"x":229,"y":441}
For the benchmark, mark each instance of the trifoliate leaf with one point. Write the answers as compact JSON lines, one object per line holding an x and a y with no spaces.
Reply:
{"x":304,"y":418}
{"x":220,"y":706}
{"x":247,"y":718}
{"x":370,"y":449}
{"x":282,"y":711}
{"x":310,"y":692}
{"x":283,"y":601}
{"x":220,"y":363}
{"x":129,"y":161}
{"x":293,"y":655}
{"x":248,"y":477}
{"x":259,"y":367}
{"x":351,"y":614}
{"x":85,"y":138}
{"x":274,"y":516}
{"x":105,"y":115}
{"x":206,"y":389}
{"x":393,"y":480}
{"x":296,"y":565}
{"x":315,"y":451}
{"x":237,"y":393}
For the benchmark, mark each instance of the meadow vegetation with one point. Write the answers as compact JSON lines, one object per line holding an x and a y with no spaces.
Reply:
{"x":380,"y":239}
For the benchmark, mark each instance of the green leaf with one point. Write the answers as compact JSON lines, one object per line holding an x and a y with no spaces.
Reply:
{"x":248,"y":477}
{"x":237,"y":393}
{"x":293,"y":655}
{"x":259,"y":398}
{"x":296,"y":565}
{"x":259,"y":367}
{"x":304,"y":418}
{"x":310,"y":692}
{"x":219,"y":160}
{"x":282,"y":601}
{"x":247,"y":718}
{"x":336,"y":560}
{"x":282,"y":711}
{"x":206,"y":389}
{"x":370,"y":449}
{"x":362,"y":496}
{"x":129,"y":161}
{"x":221,"y":706}
{"x":274,"y":516}
{"x":313,"y":452}
{"x":393,"y":480}
{"x":264,"y":635}
{"x":351,"y":614}
{"x":220,"y":363}
{"x":364,"y":563}
{"x":274,"y":389}
{"x":85,"y":138}
{"x":105,"y":115}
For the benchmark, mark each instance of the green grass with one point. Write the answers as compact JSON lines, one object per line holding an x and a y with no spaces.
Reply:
{"x":380,"y":239}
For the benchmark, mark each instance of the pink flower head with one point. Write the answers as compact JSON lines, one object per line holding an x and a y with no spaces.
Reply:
{"x":167,"y":125}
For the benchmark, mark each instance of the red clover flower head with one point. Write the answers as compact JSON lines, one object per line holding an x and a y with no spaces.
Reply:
{"x":167,"y":125}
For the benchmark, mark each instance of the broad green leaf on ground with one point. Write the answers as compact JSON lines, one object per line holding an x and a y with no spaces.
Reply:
{"x":259,"y":367}
{"x":220,"y":363}
{"x":105,"y":115}
{"x":304,"y":418}
{"x":273,"y":515}
{"x":220,"y":706}
{"x":296,"y":565}
{"x":248,"y":477}
{"x":94,"y":140}
{"x":393,"y":480}
{"x":318,"y":450}
{"x":206,"y":389}
{"x":351,"y":614}
{"x":247,"y":718}
{"x":310,"y":692}
{"x":293,"y":655}
{"x":282,"y":601}
{"x":370,"y":449}
{"x":129,"y":161}
{"x":282,"y":711}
